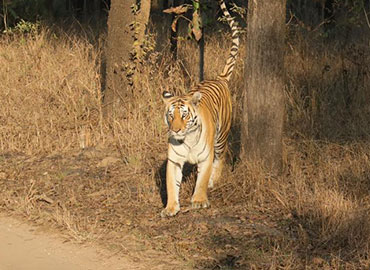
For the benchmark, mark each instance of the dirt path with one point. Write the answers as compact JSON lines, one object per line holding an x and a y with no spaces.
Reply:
{"x":23,"y":247}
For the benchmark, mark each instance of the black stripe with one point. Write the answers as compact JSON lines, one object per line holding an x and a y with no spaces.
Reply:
{"x":177,"y":164}
{"x":235,"y":45}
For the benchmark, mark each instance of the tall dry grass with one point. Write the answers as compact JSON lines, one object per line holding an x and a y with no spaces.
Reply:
{"x":327,"y":89}
{"x":50,"y":92}
{"x":319,"y":209}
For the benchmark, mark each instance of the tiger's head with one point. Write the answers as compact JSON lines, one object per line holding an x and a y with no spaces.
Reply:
{"x":181,"y":114}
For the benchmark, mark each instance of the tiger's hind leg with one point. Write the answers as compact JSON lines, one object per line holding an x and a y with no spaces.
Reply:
{"x":217,"y":167}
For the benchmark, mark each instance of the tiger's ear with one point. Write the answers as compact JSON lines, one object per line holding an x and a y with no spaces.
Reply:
{"x":196,"y":98}
{"x":166,"y":95}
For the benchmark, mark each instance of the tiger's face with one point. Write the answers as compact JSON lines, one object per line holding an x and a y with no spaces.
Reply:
{"x":180,"y":114}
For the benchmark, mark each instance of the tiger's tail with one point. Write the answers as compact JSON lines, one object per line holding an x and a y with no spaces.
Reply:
{"x":230,"y":63}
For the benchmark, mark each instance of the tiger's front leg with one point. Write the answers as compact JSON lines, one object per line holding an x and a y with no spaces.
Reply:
{"x":173,"y":182}
{"x":200,"y":198}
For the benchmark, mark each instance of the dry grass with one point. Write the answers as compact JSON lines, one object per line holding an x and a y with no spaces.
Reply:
{"x":63,"y":168}
{"x":45,"y":100}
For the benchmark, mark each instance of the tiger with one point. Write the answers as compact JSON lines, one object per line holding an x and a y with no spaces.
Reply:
{"x":198,"y":127}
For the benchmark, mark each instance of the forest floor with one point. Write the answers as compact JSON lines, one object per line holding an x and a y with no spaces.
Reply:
{"x":80,"y":197}
{"x":85,"y":198}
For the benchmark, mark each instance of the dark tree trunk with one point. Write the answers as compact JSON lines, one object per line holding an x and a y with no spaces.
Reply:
{"x":263,"y":102}
{"x":201,"y":57}
{"x":174,"y":34}
{"x":201,"y":49}
{"x":126,"y":24}
{"x":173,"y":40}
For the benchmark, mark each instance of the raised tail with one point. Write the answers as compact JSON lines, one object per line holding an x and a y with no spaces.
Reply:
{"x":230,"y":63}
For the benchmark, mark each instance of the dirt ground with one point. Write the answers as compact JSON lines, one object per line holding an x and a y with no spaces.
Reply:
{"x":25,"y":247}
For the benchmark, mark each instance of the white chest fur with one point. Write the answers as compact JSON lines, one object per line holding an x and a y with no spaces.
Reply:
{"x":193,"y":149}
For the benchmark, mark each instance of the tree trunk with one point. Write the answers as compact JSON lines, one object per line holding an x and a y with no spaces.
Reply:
{"x":263,"y":101}
{"x":126,"y":31}
{"x":174,"y":34}
{"x":201,"y":47}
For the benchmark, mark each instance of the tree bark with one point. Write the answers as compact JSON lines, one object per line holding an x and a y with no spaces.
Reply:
{"x":127,"y":21}
{"x":263,"y":101}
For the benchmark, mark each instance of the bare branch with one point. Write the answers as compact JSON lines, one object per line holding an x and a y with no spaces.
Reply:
{"x":367,"y":18}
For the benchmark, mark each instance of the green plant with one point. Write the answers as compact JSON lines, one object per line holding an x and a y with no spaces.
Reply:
{"x":24,"y":27}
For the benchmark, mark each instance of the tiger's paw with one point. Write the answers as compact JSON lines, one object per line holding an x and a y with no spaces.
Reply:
{"x":170,"y":211}
{"x":197,"y":204}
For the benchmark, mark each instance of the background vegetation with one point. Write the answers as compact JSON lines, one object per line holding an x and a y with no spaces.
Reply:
{"x":63,"y":167}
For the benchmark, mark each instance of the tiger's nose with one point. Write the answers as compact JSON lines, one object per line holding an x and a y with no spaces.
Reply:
{"x":176,"y":130}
